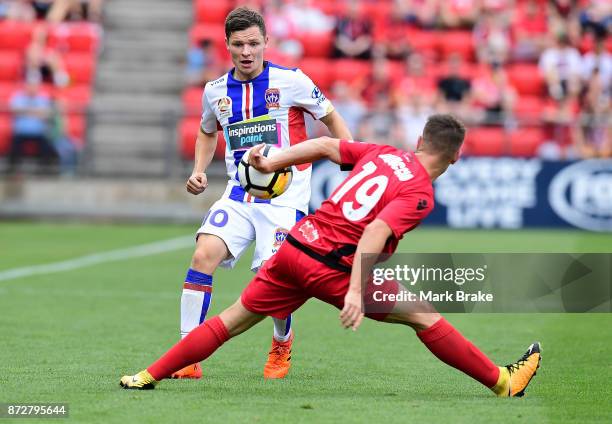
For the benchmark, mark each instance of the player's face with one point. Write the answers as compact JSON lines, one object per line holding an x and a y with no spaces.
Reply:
{"x":247,"y":49}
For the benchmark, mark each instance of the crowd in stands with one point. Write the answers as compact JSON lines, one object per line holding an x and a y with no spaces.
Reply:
{"x":529,"y":77}
{"x":48,"y":52}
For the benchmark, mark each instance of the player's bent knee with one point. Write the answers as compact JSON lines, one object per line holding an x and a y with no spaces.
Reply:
{"x":209,"y":252}
{"x":417,"y":320}
{"x":238,"y":319}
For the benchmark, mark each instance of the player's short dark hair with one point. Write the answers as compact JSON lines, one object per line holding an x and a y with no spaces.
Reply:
{"x":443,"y":134}
{"x":242,"y":18}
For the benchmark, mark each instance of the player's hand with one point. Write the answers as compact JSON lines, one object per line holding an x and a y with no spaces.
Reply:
{"x":351,"y":314}
{"x":197,"y":183}
{"x":258,"y":161}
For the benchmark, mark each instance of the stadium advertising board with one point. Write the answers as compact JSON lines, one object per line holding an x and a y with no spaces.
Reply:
{"x":511,"y":193}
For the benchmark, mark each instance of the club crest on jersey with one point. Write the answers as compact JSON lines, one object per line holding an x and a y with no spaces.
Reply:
{"x":272,"y":97}
{"x":280,"y":234}
{"x":224,"y":104}
{"x":309,"y":231}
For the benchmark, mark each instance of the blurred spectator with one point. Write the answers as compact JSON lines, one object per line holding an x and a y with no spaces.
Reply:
{"x":348,"y":104}
{"x":381,"y":123}
{"x":492,"y":38}
{"x":454,"y":90}
{"x":530,"y":30}
{"x":17,"y":10}
{"x":378,"y":82}
{"x":421,"y":13}
{"x":412,"y":116}
{"x":61,"y":10}
{"x":559,"y":118}
{"x":416,"y":81}
{"x":282,"y":31}
{"x":459,"y":13}
{"x":306,"y":18}
{"x":560,"y":67}
{"x":66,"y":150}
{"x":43,"y":7}
{"x":592,"y":135}
{"x":44,"y":62}
{"x":597,"y":18}
{"x":563,"y":18}
{"x":393,"y":41}
{"x":353,"y":34}
{"x":31,"y":110}
{"x":601,"y":60}
{"x":494,"y":96}
{"x":202,"y":63}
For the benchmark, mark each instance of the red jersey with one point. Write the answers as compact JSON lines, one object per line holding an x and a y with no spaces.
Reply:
{"x":385,"y":183}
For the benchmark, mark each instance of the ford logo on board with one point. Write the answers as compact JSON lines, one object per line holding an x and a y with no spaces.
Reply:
{"x":581,"y":194}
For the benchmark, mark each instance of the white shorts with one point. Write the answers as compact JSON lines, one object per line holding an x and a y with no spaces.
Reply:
{"x":240,"y":223}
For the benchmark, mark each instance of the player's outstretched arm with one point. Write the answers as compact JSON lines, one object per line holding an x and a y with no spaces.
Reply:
{"x":306,"y":152}
{"x":204,"y":150}
{"x":372,"y":242}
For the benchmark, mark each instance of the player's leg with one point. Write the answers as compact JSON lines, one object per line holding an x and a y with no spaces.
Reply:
{"x":451,"y":347}
{"x":272,"y":223}
{"x":224,"y":235}
{"x":273,"y":291}
{"x":198,"y":345}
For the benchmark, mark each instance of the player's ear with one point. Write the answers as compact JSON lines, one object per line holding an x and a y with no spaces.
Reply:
{"x":419,"y":142}
{"x":456,"y":157}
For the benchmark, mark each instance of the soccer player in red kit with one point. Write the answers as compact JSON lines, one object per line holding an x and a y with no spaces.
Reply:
{"x":387,"y":194}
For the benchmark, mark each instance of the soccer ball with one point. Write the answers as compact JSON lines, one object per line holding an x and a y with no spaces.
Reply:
{"x":263,"y":186}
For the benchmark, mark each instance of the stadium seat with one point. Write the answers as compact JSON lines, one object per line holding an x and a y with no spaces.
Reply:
{"x":378,"y":12}
{"x":80,"y":67}
{"x":188,"y":130}
{"x":461,"y":42}
{"x":424,"y":42}
{"x":485,"y":141}
{"x":215,"y":33}
{"x":11,"y":63}
{"x":319,"y":70}
{"x":213,"y":12}
{"x":76,"y":98}
{"x":330,"y":7}
{"x":526,"y":141}
{"x":350,"y":70}
{"x":75,"y":37}
{"x":76,"y":127}
{"x":15,"y":35}
{"x":6,"y":91}
{"x":317,"y":44}
{"x":5,"y":133}
{"x":529,"y":108}
{"x":526,"y":79}
{"x":192,"y":100}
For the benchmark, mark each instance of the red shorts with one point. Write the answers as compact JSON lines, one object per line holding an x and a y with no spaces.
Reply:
{"x":290,"y":277}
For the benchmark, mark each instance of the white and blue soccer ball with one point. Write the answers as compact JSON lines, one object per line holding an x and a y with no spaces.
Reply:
{"x":258,"y":184}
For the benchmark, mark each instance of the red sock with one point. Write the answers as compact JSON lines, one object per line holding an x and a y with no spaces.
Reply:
{"x":449,"y":346}
{"x":197,"y":346}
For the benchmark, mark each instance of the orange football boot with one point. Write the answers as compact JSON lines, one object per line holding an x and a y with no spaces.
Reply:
{"x":279,"y":359}
{"x":190,"y":371}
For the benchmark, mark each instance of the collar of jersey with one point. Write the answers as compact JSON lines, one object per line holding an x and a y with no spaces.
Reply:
{"x":231,"y":74}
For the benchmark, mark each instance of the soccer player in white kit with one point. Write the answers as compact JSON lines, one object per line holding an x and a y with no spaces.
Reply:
{"x":256,"y":102}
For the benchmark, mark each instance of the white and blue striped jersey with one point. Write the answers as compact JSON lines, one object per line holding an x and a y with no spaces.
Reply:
{"x":267,"y":109}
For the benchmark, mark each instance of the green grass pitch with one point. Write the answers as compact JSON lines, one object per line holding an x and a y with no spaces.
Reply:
{"x":69,"y":336}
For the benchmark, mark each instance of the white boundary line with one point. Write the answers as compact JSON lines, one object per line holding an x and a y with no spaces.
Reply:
{"x":99,"y":258}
